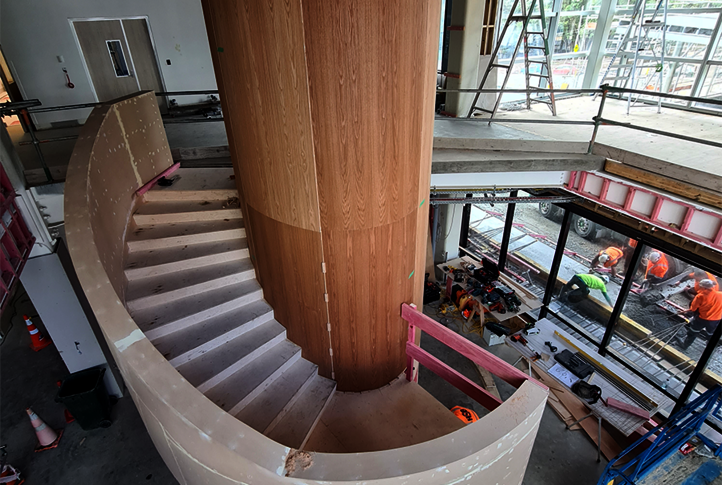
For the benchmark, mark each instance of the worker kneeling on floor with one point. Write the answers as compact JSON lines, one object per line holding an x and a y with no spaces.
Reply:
{"x":707,"y":310}
{"x":584,"y":284}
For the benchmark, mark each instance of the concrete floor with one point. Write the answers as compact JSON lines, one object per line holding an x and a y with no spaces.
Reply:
{"x":120,"y":455}
{"x":558,"y":454}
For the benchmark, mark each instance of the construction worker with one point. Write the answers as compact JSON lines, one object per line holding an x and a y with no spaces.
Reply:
{"x":609,"y":258}
{"x":698,"y":275}
{"x":584,"y":283}
{"x":707,"y":310}
{"x":657,"y":268}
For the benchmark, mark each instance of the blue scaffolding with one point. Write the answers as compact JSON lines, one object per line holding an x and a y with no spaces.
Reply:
{"x":680,"y":428}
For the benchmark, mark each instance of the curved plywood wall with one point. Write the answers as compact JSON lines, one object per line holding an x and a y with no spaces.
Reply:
{"x":329,"y":111}
{"x":121,"y":147}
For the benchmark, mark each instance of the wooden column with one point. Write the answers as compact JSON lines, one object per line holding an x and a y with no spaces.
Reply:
{"x":329,"y":113}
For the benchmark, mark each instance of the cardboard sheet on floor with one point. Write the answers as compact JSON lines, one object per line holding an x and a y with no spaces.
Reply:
{"x":610,"y":448}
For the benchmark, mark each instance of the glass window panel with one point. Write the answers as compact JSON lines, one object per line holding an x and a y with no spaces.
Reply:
{"x":717,"y":54}
{"x":569,"y":73}
{"x":712,"y":88}
{"x":650,"y":335}
{"x":486,"y":227}
{"x":590,"y":276}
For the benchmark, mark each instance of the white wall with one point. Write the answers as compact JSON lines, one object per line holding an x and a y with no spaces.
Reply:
{"x":34,"y":32}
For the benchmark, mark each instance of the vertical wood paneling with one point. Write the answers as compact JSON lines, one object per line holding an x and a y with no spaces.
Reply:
{"x":260,"y":52}
{"x":330,"y":109}
{"x":290,"y":259}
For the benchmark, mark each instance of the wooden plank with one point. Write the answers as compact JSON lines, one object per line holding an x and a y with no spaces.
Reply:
{"x":610,"y":448}
{"x":468,"y":349}
{"x":627,"y":408}
{"x":453,"y":377}
{"x":660,"y":182}
{"x":488,"y":380}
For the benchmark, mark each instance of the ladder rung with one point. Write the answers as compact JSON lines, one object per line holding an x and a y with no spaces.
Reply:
{"x":536,"y":47}
{"x":539,"y":75}
{"x":521,"y":18}
{"x":500,"y":65}
{"x":537,"y":62}
{"x":616,"y":78}
{"x":535,"y":33}
{"x":483,"y":109}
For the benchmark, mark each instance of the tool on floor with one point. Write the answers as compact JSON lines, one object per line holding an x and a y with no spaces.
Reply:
{"x":537,"y":41}
{"x":551,"y":346}
{"x":37,"y":340}
{"x":8,"y":474}
{"x":47,"y":437}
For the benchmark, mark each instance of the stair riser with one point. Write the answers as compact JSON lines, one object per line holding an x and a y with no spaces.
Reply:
{"x":221,"y":339}
{"x":171,"y":242}
{"x":180,"y":217}
{"x":238,"y":365}
{"x":318,"y":418}
{"x":134,"y":274}
{"x":189,"y":195}
{"x":289,"y":404}
{"x":263,"y":385}
{"x":183,"y":323}
{"x":189,"y":291}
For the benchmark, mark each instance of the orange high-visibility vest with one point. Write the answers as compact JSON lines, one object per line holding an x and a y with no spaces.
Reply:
{"x":708,"y":304}
{"x":710,"y":276}
{"x":614,"y":254}
{"x":658,"y":269}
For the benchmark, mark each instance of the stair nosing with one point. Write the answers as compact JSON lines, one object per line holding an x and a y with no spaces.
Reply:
{"x":189,"y":216}
{"x":256,"y":391}
{"x":283,"y":412}
{"x":150,"y":301}
{"x":134,"y":274}
{"x":190,"y":320}
{"x":154,"y":244}
{"x":217,"y":379}
{"x":200,"y":350}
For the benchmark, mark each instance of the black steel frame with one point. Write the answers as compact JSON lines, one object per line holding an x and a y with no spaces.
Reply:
{"x":643,"y":239}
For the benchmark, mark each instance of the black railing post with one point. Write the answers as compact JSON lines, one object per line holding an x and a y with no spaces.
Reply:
{"x":698,"y":369}
{"x":632,"y":265}
{"x":465,"y":220}
{"x":598,"y":119}
{"x":554,"y":270}
{"x":508,"y":224}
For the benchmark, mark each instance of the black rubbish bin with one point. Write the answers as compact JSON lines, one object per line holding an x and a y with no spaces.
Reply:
{"x":84,"y":395}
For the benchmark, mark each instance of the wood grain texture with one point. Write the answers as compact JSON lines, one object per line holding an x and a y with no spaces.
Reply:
{"x":290,"y":261}
{"x":368,"y":278}
{"x":259,"y":55}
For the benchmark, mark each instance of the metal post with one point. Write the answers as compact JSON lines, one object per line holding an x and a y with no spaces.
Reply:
{"x":434,"y":228}
{"x":465,"y":220}
{"x":36,"y":144}
{"x":598,"y":119}
{"x":699,"y":369}
{"x":507,"y":231}
{"x":664,"y":48}
{"x":632,"y":265}
{"x":599,"y":42}
{"x":636,"y":53}
{"x":554,"y":271}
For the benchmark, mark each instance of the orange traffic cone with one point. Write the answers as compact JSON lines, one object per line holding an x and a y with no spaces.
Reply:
{"x":47,"y":437}
{"x":38,"y":342}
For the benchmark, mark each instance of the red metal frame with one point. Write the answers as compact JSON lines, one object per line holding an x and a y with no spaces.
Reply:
{"x":155,"y":179}
{"x":653,"y":218}
{"x":16,"y":240}
{"x":415,"y":355}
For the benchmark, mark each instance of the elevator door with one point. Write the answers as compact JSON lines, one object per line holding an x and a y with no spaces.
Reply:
{"x":120,"y":57}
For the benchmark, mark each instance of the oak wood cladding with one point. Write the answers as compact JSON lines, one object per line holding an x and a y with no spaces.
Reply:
{"x":260,"y":51}
{"x":329,"y":106}
{"x":289,"y":259}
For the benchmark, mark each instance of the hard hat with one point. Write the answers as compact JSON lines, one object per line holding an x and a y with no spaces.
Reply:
{"x":605,"y":278}
{"x":698,"y":273}
{"x":654,"y":257}
{"x":706,"y":283}
{"x":603,"y":258}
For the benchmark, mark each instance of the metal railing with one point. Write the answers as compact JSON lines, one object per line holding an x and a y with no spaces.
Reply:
{"x":31,"y":107}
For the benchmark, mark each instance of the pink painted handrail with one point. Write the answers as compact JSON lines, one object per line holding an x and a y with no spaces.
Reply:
{"x":155,"y":179}
{"x":473,"y":352}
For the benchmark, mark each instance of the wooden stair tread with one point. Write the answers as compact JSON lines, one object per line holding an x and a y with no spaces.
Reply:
{"x":241,"y":320}
{"x":199,"y":307}
{"x":296,"y":426}
{"x":213,"y":367}
{"x":158,"y":231}
{"x":143,"y":220}
{"x":272,"y":404}
{"x":249,"y":381}
{"x":182,"y":252}
{"x":198,"y":195}
{"x":199,"y":179}
{"x":163,"y":284}
{"x":188,"y":205}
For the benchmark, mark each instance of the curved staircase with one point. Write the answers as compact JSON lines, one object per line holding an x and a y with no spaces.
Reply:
{"x":192,"y":290}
